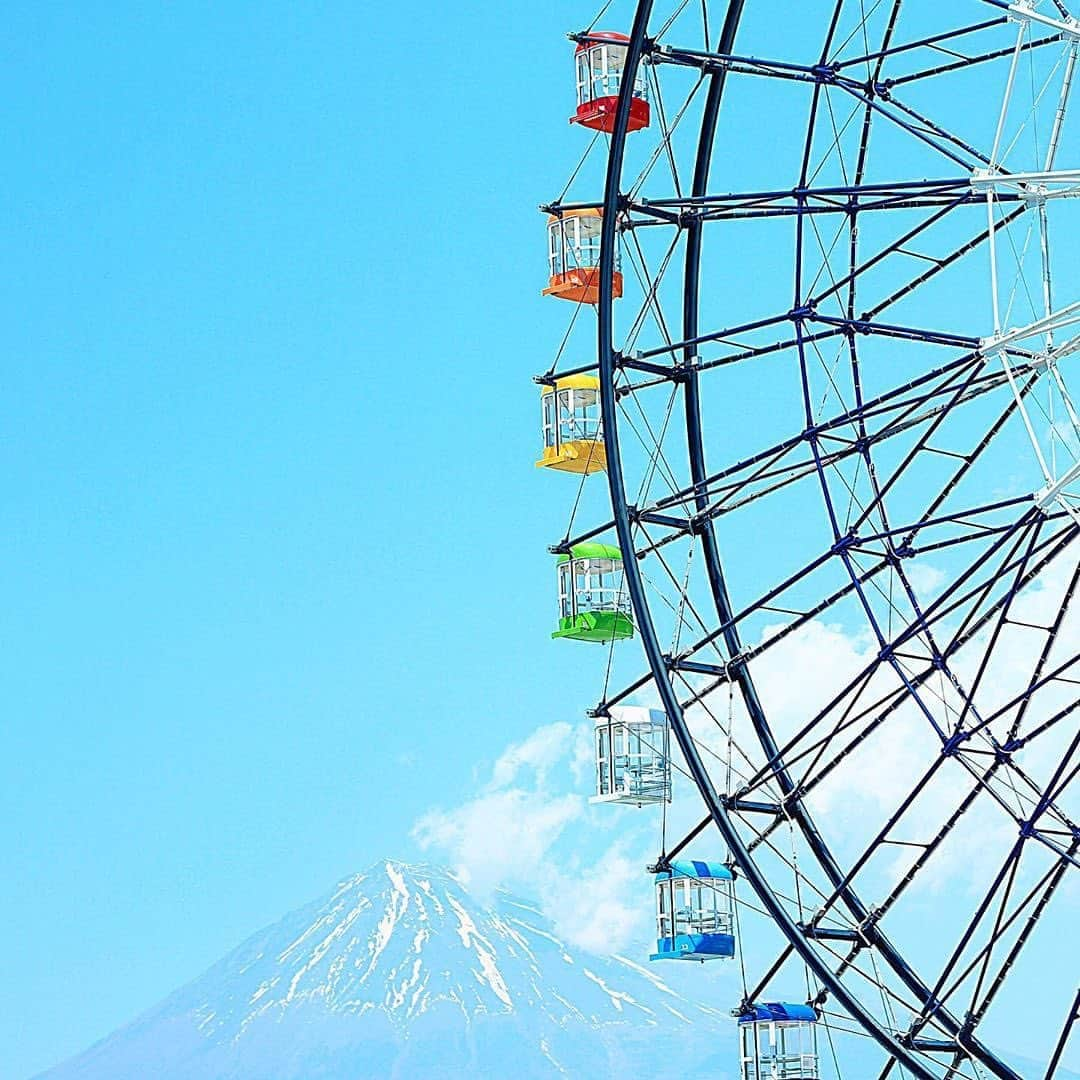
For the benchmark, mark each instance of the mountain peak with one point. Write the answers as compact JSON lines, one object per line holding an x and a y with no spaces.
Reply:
{"x":393,"y":960}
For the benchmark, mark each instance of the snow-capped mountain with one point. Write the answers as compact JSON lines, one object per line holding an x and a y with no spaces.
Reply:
{"x":399,"y":973}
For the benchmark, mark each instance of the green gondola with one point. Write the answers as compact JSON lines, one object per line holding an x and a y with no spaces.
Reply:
{"x":593,"y":605}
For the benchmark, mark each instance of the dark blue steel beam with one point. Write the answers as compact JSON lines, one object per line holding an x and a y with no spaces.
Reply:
{"x":896,"y":50}
{"x":1072,"y":1019}
{"x":826,"y":191}
{"x":971,"y":61}
{"x":758,"y":213}
{"x":722,"y":61}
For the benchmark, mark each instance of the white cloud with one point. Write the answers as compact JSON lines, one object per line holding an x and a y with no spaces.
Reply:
{"x":600,"y":910}
{"x":544,"y":748}
{"x":500,"y":837}
{"x":530,"y":829}
{"x":583,"y":760}
{"x":925,"y":579}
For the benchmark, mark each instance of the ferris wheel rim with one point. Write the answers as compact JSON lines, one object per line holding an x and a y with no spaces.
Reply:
{"x":661,"y":673}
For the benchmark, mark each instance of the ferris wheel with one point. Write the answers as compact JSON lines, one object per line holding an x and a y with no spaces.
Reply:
{"x":822,"y":282}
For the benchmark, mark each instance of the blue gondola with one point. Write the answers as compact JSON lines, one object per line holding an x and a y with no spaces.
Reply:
{"x":694,"y":905}
{"x":778,"y":1042}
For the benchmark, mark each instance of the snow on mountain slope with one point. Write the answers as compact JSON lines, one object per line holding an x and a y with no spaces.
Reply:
{"x":399,"y":973}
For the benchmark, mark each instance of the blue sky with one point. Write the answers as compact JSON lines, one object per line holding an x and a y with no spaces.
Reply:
{"x":274,"y":554}
{"x":275,"y":561}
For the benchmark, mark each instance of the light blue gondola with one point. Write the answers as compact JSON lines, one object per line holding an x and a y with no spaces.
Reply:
{"x":694,"y":912}
{"x":778,"y":1041}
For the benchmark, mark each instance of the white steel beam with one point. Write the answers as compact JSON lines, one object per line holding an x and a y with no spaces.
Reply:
{"x":1024,"y":11}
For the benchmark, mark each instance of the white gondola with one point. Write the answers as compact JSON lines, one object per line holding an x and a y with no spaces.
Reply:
{"x":632,"y":757}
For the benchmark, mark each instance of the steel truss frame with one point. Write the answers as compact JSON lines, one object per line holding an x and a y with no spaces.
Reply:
{"x":982,"y":597}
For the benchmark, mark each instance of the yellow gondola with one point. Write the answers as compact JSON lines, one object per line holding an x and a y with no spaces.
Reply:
{"x":573,"y":428}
